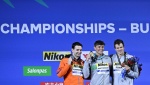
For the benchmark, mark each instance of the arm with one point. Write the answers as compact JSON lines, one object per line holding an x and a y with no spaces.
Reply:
{"x":134,"y":73}
{"x":86,"y":69}
{"x":63,"y":68}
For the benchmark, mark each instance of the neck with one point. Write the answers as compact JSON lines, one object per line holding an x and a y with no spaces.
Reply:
{"x":120,"y":55}
{"x":99,"y":54}
{"x":75,"y":57}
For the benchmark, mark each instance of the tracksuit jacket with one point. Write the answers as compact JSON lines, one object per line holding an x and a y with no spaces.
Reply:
{"x":90,"y":70}
{"x":129,"y":76}
{"x":65,"y":70}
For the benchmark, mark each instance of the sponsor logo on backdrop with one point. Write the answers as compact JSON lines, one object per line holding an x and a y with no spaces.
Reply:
{"x":54,"y":55}
{"x":37,"y":70}
{"x":85,"y":53}
{"x":87,"y":83}
{"x":51,"y":83}
{"x":58,"y":55}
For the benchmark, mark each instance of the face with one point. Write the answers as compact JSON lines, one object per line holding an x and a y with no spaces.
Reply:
{"x":77,"y":51}
{"x":99,"y":49}
{"x":119,"y":49}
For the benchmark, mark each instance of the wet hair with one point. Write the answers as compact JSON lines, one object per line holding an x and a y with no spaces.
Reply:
{"x":99,"y":42}
{"x":76,"y":44}
{"x":118,"y":41}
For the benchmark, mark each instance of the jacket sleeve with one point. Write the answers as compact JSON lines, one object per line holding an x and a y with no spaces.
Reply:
{"x":86,"y":69}
{"x":63,"y":68}
{"x":134,"y":73}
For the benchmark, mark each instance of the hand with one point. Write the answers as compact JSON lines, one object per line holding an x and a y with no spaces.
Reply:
{"x":69,"y":60}
{"x":123,"y":64}
{"x":127,"y":68}
{"x":89,"y":56}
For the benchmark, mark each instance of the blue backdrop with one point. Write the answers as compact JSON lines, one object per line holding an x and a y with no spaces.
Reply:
{"x":19,"y":50}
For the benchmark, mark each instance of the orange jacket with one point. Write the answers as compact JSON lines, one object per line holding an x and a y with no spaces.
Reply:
{"x":65,"y":71}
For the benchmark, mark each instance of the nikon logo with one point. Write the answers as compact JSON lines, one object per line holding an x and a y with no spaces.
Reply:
{"x":54,"y":55}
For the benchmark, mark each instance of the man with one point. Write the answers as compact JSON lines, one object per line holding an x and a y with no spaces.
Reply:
{"x":97,"y":66}
{"x":71,"y":66}
{"x":122,"y":73}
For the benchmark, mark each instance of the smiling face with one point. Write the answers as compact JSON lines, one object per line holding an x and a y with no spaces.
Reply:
{"x":99,"y":49}
{"x":77,"y":51}
{"x":119,"y":49}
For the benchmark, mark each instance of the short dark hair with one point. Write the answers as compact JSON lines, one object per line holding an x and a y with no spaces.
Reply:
{"x":118,"y":41}
{"x":99,"y":42}
{"x":76,"y":44}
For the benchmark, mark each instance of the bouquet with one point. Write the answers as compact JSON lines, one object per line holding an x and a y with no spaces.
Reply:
{"x":131,"y":62}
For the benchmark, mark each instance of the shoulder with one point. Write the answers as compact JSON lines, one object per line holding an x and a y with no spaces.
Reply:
{"x":106,"y":57}
{"x":129,"y":56}
{"x":112,"y":56}
{"x":66,"y":58}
